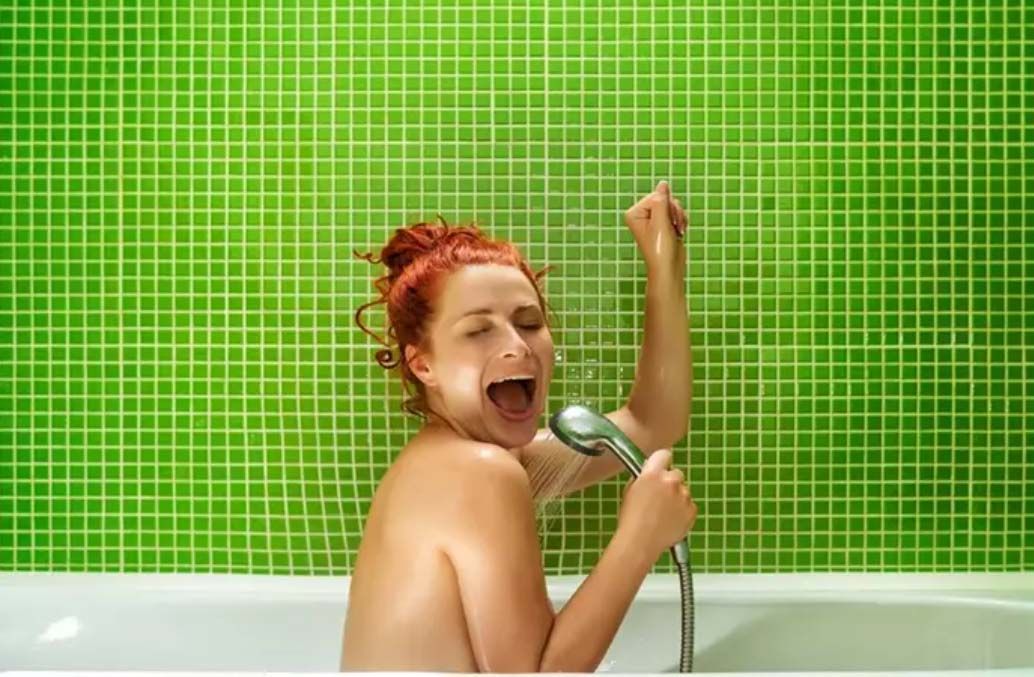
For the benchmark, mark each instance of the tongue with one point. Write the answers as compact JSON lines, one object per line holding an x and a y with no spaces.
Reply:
{"x":509,"y":395}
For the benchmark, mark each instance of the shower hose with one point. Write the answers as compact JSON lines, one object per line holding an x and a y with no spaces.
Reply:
{"x":686,"y":587}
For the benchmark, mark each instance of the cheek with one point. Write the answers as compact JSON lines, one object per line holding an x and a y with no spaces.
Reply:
{"x":461,"y":382}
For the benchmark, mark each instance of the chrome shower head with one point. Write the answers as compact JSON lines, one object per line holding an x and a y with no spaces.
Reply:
{"x":589,"y":432}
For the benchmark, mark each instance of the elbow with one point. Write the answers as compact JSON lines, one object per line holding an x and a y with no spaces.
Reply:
{"x":659,"y":426}
{"x":680,"y":424}
{"x":655,"y":430}
{"x":670,"y":431}
{"x":682,"y":429}
{"x":674,"y":436}
{"x":679,"y":435}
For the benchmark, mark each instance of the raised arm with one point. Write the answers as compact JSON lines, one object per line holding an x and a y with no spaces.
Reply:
{"x":656,"y":414}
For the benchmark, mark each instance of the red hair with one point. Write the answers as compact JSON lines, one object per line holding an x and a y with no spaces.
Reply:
{"x":417,"y":257}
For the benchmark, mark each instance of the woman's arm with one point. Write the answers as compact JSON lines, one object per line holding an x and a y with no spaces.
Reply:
{"x":657,"y":411}
{"x":656,"y":414}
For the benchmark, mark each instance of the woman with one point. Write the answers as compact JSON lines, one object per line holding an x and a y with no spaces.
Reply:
{"x":449,"y":575}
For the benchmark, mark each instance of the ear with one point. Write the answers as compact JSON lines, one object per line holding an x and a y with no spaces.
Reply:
{"x":419,"y":365}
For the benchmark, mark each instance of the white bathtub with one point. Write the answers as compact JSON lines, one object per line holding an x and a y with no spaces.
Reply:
{"x":747,"y":623}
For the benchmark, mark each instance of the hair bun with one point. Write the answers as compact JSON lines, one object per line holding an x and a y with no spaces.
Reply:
{"x":413,"y":241}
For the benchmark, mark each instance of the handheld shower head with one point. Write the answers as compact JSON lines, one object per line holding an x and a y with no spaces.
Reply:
{"x":589,"y":432}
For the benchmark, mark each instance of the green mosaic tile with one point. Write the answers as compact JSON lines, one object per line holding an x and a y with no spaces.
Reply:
{"x":182,"y":387}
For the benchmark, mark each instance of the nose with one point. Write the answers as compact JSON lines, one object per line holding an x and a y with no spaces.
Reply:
{"x":516,"y":346}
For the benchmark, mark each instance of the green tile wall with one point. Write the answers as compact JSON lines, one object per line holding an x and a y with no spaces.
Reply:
{"x":182,"y":387}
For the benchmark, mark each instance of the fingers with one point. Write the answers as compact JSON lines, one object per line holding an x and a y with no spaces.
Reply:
{"x":655,"y":201}
{"x":664,"y":199}
{"x":675,"y":211}
{"x":657,"y":461}
{"x":679,"y":218}
{"x":662,"y":213}
{"x":641,"y":210}
{"x":660,"y":462}
{"x":650,"y":201}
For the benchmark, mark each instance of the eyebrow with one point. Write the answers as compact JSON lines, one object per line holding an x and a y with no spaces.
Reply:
{"x":488,"y":311}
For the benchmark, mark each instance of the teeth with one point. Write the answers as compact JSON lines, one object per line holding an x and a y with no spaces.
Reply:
{"x":512,"y":378}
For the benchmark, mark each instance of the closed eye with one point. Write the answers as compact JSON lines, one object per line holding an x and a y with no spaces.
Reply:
{"x":534,"y":326}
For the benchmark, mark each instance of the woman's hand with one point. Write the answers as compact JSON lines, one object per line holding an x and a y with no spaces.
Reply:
{"x":658,"y":223}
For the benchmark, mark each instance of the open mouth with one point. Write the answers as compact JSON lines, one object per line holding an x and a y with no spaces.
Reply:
{"x":514,"y":396}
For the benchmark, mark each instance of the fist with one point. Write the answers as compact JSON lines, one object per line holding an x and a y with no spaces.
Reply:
{"x":658,"y":223}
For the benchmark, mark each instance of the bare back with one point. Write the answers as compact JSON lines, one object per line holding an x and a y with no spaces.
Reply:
{"x":404,"y":606}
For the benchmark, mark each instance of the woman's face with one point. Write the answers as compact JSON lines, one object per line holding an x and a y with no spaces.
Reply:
{"x":490,"y":357}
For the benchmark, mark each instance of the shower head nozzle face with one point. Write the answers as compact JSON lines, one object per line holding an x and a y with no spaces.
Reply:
{"x":591,"y":433}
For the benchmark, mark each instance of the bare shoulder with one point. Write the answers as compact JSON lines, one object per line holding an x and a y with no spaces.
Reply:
{"x":491,"y":493}
{"x":486,"y":456}
{"x":451,"y":474}
{"x":453,"y":458}
{"x":480,"y":470}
